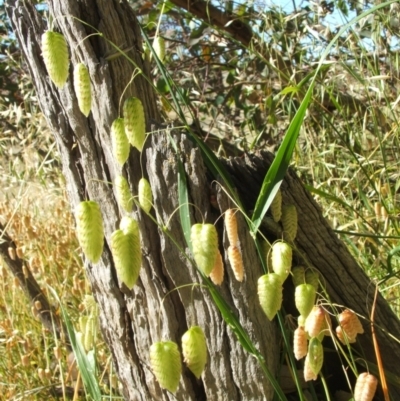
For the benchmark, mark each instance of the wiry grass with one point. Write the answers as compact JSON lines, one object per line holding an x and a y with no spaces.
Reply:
{"x":34,"y":364}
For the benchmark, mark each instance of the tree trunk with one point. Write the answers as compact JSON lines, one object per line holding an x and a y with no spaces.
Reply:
{"x":131,"y":320}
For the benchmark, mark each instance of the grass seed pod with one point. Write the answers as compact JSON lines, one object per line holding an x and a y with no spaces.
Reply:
{"x":88,"y":335}
{"x":312,"y":277}
{"x":326,"y":326}
{"x":269,"y":289}
{"x":350,"y":324}
{"x":289,"y":222}
{"x":82,"y":323}
{"x":300,"y":343}
{"x":55,"y":56}
{"x":231,"y":227}
{"x":126,"y":251}
{"x":308,"y":372}
{"x":134,"y":120}
{"x":129,"y":225}
{"x":194,"y":350}
{"x":281,"y":259}
{"x":204,"y":239}
{"x":119,"y":141}
{"x":82,"y":88}
{"x":315,"y":355}
{"x":344,"y":339}
{"x":236,"y":261}
{"x":217,"y":273}
{"x":145,"y":195}
{"x":89,"y":229}
{"x":315,"y":321}
{"x":301,"y":321}
{"x":159,"y":47}
{"x":365,"y":387}
{"x":298,"y":275}
{"x":276,"y":206}
{"x":165,"y":361}
{"x":304,"y":297}
{"x":123,"y":193}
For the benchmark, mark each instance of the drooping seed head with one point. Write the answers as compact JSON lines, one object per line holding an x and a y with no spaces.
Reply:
{"x":134,"y":120}
{"x":127,"y":255}
{"x":304,"y":298}
{"x":298,"y":275}
{"x":289,"y":222}
{"x":119,"y":141}
{"x":205,"y":246}
{"x":194,"y":350}
{"x":351,"y":324}
{"x":365,"y":387}
{"x":236,"y":261}
{"x":300,"y":343}
{"x":55,"y":56}
{"x":276,"y":206}
{"x":312,"y":277}
{"x":344,"y":339}
{"x":231,"y":227}
{"x":145,"y":195}
{"x":88,"y":337}
{"x":315,"y":355}
{"x":82,"y":87}
{"x":217,"y":273}
{"x":89,"y":229}
{"x":315,"y":321}
{"x":159,"y":47}
{"x":129,"y":225}
{"x":281,"y":259}
{"x":269,"y":289}
{"x":123,"y":193}
{"x":308,"y":372}
{"x":165,"y":361}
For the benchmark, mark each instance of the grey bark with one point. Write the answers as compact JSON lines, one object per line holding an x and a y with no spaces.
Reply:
{"x":132,"y":320}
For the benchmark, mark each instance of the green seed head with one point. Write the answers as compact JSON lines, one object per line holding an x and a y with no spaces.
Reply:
{"x":145,"y":195}
{"x":55,"y":56}
{"x":89,"y":229}
{"x":119,"y":141}
{"x":315,"y":355}
{"x":159,"y":47}
{"x":298,"y":275}
{"x":205,"y":246}
{"x":123,"y":193}
{"x":304,"y":297}
{"x":194,"y":350}
{"x":165,"y":361}
{"x":82,"y":88}
{"x":269,"y":289}
{"x":276,"y":206}
{"x":126,"y":250}
{"x":281,"y":259}
{"x":289,"y":222}
{"x":135,"y":125}
{"x":312,"y":277}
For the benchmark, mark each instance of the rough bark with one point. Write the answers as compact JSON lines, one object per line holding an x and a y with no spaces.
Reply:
{"x":132,"y":320}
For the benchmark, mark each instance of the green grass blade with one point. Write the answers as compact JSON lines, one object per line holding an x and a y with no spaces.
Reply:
{"x":279,"y":166}
{"x":85,"y":366}
{"x":184,"y":212}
